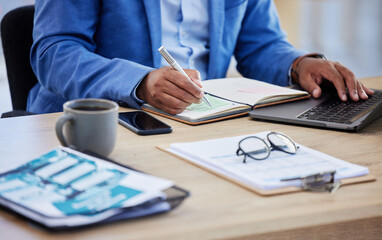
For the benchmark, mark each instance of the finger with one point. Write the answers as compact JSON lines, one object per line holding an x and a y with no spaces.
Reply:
{"x":162,"y":84}
{"x":350,"y":80}
{"x":364,"y":92}
{"x":169,"y":110}
{"x":309,"y":83}
{"x":170,"y":88}
{"x":368,"y":91}
{"x":361,"y":92}
{"x":183,"y":82}
{"x":194,"y":76}
{"x":179,"y":93}
{"x":336,"y":78}
{"x":170,"y":104}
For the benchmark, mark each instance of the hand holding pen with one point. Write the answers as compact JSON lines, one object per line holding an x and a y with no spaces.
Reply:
{"x":166,"y":55}
{"x":170,"y":90}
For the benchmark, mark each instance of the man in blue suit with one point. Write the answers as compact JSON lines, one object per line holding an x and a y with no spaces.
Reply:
{"x":108,"y":49}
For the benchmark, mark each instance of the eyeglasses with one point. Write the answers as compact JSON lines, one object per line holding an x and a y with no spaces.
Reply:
{"x":257,"y":149}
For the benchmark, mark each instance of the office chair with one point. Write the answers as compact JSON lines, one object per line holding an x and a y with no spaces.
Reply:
{"x":16,"y":35}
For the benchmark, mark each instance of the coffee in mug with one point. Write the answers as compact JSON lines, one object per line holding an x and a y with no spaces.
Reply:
{"x":89,"y":124}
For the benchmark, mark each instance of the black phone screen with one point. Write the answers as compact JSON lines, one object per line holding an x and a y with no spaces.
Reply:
{"x":143,"y":123}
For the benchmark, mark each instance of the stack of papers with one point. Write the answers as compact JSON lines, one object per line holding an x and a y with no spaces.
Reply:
{"x":65,"y":188}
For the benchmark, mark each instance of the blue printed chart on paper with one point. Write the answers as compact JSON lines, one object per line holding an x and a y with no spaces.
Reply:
{"x":64,"y":183}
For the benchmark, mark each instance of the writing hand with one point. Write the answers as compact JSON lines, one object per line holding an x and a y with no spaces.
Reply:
{"x":313,"y":71}
{"x":169,"y":90}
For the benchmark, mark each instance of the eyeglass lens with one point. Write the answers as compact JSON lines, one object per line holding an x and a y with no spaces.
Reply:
{"x":255,"y":147}
{"x":282,"y":142}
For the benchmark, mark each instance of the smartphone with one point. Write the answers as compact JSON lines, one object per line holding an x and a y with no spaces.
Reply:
{"x":143,"y":123}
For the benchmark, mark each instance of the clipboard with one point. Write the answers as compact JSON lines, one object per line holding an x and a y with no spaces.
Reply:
{"x":275,"y":191}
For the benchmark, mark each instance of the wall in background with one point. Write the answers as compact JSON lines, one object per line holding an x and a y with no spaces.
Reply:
{"x":347,"y":31}
{"x":289,"y":13}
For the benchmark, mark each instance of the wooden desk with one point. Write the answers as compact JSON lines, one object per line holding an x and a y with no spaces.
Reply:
{"x":217,"y":208}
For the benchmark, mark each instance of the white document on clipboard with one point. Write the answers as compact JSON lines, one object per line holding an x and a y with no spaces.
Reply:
{"x":219,"y":156}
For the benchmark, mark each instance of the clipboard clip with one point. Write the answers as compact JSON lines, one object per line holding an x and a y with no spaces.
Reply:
{"x":318,"y":182}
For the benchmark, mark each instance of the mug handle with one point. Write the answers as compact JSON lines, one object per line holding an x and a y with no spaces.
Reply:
{"x":60,"y":126}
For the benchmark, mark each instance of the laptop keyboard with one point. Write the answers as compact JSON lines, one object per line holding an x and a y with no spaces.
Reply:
{"x":334,"y":110}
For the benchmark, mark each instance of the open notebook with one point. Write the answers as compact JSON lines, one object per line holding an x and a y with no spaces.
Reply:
{"x":230,"y":97}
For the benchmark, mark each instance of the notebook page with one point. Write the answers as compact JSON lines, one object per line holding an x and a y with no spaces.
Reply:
{"x":196,"y":111}
{"x":248,"y":91}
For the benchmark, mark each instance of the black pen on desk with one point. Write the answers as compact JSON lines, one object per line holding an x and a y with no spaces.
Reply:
{"x":166,"y":55}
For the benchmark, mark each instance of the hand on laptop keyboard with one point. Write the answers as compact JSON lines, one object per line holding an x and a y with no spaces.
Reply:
{"x":311,"y":72}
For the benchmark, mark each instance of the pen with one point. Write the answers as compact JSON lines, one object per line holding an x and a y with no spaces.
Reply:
{"x":166,"y":55}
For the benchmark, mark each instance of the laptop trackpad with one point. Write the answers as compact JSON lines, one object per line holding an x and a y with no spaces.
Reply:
{"x":286,"y":110}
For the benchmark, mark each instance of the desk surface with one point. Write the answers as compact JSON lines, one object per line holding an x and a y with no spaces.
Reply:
{"x":218,"y":208}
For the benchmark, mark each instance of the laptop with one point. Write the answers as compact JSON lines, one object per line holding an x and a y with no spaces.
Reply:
{"x":328,"y":111}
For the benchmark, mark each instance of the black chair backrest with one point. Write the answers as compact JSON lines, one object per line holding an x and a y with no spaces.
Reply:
{"x":16,"y":35}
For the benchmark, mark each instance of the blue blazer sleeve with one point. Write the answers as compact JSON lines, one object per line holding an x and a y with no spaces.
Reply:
{"x":262,"y":51}
{"x":66,"y":58}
